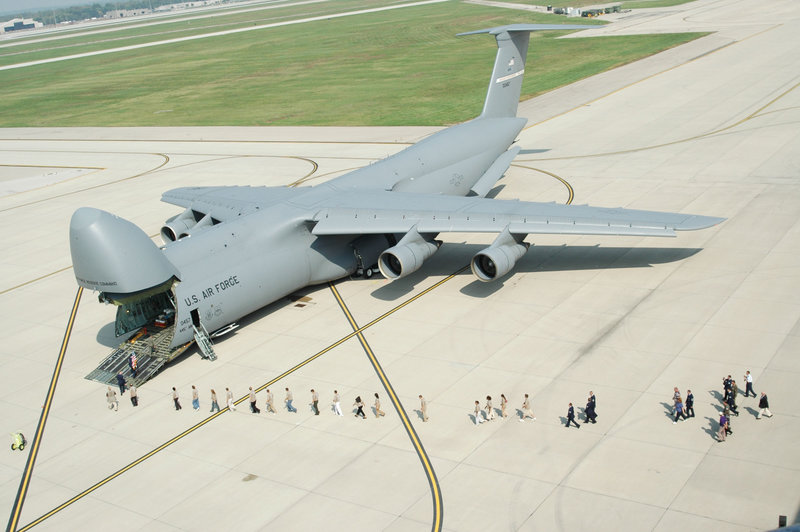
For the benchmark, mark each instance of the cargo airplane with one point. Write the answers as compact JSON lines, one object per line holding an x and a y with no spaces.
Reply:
{"x":234,"y":250}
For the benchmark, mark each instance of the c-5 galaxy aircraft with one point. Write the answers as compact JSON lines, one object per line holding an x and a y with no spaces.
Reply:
{"x":236,"y":249}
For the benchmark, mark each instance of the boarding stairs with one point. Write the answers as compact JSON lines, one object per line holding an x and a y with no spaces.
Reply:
{"x":204,"y":342}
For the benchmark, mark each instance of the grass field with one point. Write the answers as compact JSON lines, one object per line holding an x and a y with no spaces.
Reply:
{"x":403,"y":67}
{"x":158,"y":30}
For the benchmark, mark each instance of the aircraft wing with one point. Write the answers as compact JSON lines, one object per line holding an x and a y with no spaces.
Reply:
{"x":226,"y":202}
{"x":393,"y":212}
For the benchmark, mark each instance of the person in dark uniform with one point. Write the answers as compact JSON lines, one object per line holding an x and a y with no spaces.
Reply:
{"x":726,"y":385}
{"x":571,"y":416}
{"x":121,"y":383}
{"x":689,"y":403}
{"x":591,"y":405}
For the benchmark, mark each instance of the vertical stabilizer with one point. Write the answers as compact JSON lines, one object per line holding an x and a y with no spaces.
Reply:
{"x":509,"y":66}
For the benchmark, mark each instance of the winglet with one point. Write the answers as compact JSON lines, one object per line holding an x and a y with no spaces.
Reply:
{"x":694,"y":222}
{"x":509,"y":65}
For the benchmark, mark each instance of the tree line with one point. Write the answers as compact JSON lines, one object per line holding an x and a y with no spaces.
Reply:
{"x":88,"y":11}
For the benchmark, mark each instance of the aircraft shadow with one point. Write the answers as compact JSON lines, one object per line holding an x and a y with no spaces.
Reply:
{"x":538,"y":259}
{"x":532,"y":151}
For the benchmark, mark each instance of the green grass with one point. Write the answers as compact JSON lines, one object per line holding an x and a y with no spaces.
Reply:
{"x":402,"y":67}
{"x":166,"y":29}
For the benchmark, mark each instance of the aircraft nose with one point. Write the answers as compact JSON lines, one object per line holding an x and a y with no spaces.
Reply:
{"x":111,"y":254}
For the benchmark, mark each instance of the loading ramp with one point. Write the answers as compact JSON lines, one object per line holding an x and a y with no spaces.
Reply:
{"x":151,"y":345}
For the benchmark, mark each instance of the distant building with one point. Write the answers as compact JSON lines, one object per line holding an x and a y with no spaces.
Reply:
{"x":188,"y":5}
{"x":123,"y":13}
{"x":17,"y":24}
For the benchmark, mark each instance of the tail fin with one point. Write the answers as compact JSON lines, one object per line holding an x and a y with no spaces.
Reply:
{"x":509,"y":65}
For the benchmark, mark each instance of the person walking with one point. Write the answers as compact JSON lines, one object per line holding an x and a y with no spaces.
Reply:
{"x":111,"y":397}
{"x":175,"y":399}
{"x":288,"y":400}
{"x":378,"y":411}
{"x":489,"y":409}
{"x":214,"y":403}
{"x":358,"y":404}
{"x":689,"y":404}
{"x":423,"y":407}
{"x":253,"y":407}
{"x":676,"y":395}
{"x":134,"y":395}
{"x":731,"y":403}
{"x":571,"y":416}
{"x":121,"y":383}
{"x":315,"y":402}
{"x":726,"y":385}
{"x":195,"y":399}
{"x":593,"y":401}
{"x":727,"y":413}
{"x":229,"y":400}
{"x":748,"y":379}
{"x":526,"y":410}
{"x":503,"y":405}
{"x":133,"y":362}
{"x":763,"y":405}
{"x":679,"y":411}
{"x":723,"y":424}
{"x":587,"y":412}
{"x":337,"y":407}
{"x":271,"y":403}
{"x":478,"y":416}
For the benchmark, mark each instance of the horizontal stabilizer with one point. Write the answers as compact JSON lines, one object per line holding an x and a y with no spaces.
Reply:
{"x":509,"y":65}
{"x":495,"y":172}
{"x":528,"y":27}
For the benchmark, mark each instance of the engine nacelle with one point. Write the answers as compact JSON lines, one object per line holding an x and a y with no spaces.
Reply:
{"x":499,"y":258}
{"x":183,"y":225}
{"x":407,"y":256}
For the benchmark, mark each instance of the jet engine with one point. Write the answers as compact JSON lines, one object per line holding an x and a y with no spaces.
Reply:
{"x":185,"y":224}
{"x":407,"y":256}
{"x":498,"y":259}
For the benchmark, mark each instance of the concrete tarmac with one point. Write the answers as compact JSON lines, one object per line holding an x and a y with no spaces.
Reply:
{"x":709,"y":128}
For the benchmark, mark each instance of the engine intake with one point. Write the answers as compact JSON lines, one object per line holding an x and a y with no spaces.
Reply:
{"x":499,"y":258}
{"x":185,"y":224}
{"x":407,"y":256}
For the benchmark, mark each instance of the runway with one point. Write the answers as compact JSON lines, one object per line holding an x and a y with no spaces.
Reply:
{"x":709,"y":128}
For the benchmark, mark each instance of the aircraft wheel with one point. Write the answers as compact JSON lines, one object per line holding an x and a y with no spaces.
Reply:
{"x":368,"y":273}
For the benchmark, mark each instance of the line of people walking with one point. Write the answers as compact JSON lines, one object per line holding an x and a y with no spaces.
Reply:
{"x":488,"y":412}
{"x":288,"y":401}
